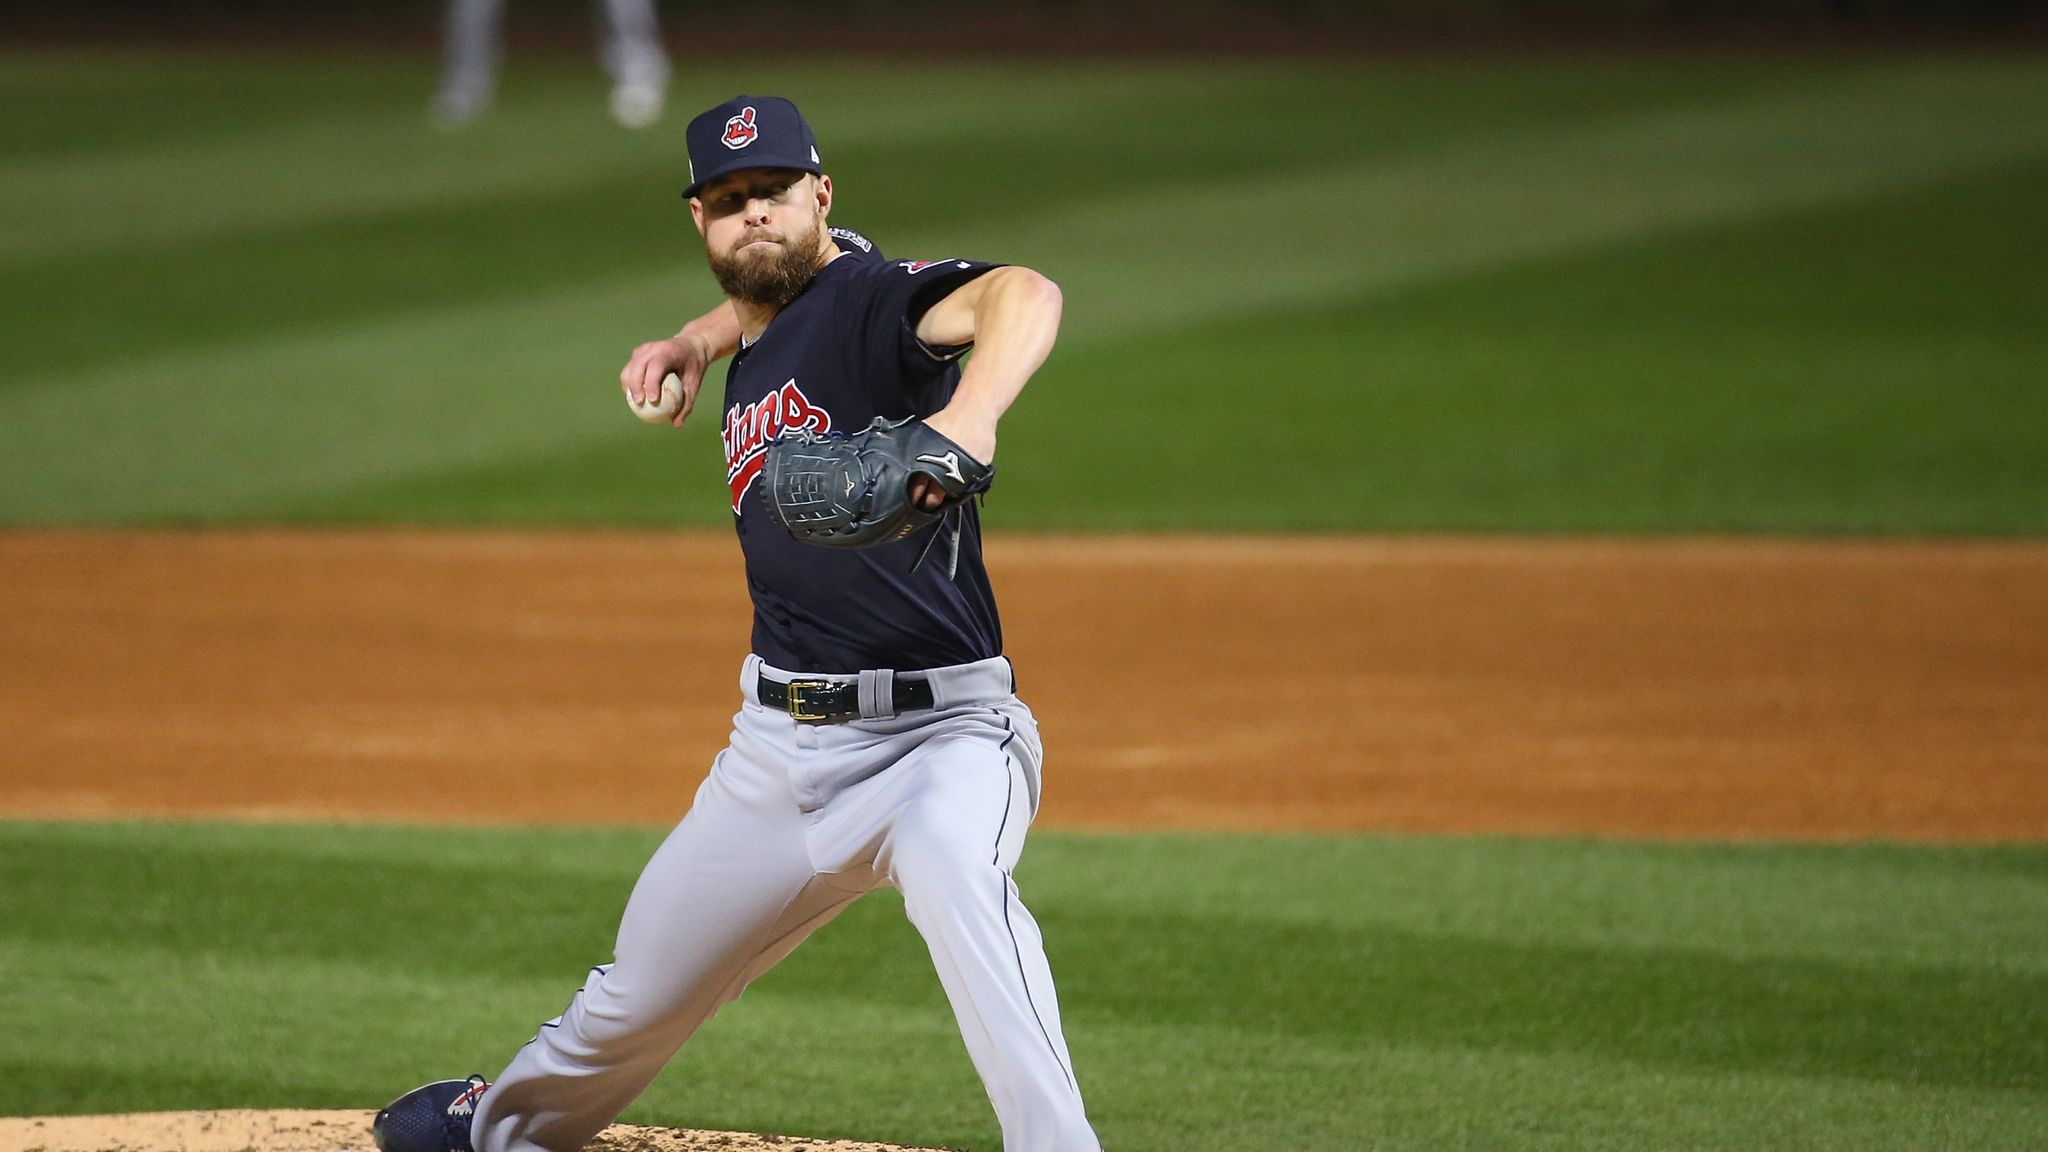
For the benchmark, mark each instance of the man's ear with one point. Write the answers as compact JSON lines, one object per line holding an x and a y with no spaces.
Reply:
{"x":824,"y":194}
{"x":697,"y":214}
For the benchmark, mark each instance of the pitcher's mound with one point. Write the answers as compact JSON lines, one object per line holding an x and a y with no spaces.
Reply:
{"x":249,"y":1130}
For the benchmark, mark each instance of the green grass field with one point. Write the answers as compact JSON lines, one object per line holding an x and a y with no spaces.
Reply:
{"x":1220,"y":993}
{"x":1789,"y":296}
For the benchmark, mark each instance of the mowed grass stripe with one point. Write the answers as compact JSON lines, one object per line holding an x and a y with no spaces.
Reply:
{"x":259,"y":282}
{"x":243,"y":288}
{"x":449,"y":391}
{"x":244,"y":432}
{"x":1766,"y":373}
{"x":57,"y":104}
{"x":382,"y":155}
{"x":500,"y":386}
{"x":1771,"y":374}
{"x":1855,"y":903}
{"x":1218,"y":990}
{"x":1688,"y":1007}
{"x":350,"y":139}
{"x":1300,"y":236}
{"x":348,"y":160}
{"x":1289,"y":1095}
{"x":207,"y":1027}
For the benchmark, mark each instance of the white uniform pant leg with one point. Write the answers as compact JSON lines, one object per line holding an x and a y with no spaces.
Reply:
{"x":632,"y":52}
{"x":475,"y":33}
{"x":950,"y":851}
{"x":727,"y":895}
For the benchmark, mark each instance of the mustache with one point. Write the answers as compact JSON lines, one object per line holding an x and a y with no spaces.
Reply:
{"x":762,"y":234}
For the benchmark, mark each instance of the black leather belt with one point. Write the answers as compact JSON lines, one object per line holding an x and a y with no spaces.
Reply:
{"x":826,"y":701}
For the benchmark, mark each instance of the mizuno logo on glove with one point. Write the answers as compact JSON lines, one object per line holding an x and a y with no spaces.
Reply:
{"x":950,"y":460}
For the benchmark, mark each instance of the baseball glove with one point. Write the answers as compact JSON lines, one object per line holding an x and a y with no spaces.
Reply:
{"x":844,"y":491}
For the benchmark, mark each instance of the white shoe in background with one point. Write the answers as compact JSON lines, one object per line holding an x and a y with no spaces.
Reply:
{"x":637,"y":105}
{"x":454,"y":108}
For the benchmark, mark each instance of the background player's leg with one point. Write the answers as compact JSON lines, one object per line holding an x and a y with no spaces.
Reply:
{"x":469,"y":72}
{"x":950,"y":852}
{"x":634,"y":57}
{"x":730,"y":892}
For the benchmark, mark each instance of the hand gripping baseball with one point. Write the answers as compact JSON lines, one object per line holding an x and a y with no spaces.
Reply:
{"x":842,"y":491}
{"x":662,"y":377}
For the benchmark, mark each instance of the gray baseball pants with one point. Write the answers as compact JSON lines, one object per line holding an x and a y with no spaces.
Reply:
{"x":795,"y":822}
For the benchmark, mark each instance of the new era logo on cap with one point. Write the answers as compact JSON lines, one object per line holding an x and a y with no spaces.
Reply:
{"x":749,"y":132}
{"x":740,"y":132}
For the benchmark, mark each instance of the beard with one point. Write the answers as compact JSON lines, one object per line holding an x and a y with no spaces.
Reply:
{"x":772,"y":278}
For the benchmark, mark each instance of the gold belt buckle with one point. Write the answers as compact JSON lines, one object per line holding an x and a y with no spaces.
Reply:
{"x":795,"y":698}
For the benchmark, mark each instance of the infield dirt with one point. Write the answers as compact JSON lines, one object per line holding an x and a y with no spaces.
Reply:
{"x":1688,"y":688}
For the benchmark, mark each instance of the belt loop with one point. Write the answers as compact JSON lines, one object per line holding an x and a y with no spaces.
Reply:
{"x":877,"y":694}
{"x":750,"y":678}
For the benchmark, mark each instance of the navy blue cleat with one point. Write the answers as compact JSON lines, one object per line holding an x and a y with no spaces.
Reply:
{"x":431,"y":1118}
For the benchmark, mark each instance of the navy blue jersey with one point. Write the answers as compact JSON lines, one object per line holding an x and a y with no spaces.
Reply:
{"x":839,"y":355}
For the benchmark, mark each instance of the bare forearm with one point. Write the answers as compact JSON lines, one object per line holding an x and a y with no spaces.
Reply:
{"x":718,"y":329}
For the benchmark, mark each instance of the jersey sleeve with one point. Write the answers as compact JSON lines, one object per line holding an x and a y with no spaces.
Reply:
{"x":881,"y":317}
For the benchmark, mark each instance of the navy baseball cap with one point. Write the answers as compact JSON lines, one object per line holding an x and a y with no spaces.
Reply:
{"x":748,"y":132}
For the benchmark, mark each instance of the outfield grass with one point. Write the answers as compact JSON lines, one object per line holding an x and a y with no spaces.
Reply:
{"x":1635,"y":296}
{"x":1220,"y":993}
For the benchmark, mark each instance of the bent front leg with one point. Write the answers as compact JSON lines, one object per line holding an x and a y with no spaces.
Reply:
{"x":729,"y":894}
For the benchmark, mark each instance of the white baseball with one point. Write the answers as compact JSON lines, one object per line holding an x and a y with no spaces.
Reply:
{"x":664,"y":408}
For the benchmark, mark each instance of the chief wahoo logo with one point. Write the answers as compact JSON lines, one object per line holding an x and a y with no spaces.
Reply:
{"x":740,"y":130}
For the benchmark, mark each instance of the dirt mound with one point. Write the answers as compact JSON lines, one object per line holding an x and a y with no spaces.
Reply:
{"x":250,"y":1130}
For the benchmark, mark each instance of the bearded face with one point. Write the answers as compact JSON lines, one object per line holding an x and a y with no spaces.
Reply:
{"x":767,"y":265}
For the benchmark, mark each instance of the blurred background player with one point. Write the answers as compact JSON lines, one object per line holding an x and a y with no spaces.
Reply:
{"x":631,"y":50}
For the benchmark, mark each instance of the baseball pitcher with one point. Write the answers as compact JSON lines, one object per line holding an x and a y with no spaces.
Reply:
{"x":879,"y":738}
